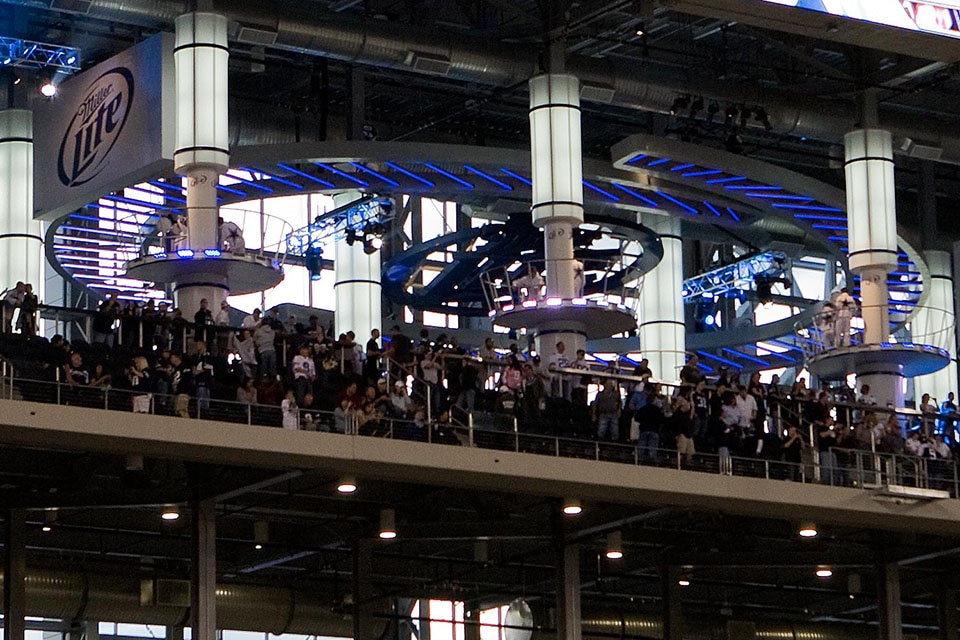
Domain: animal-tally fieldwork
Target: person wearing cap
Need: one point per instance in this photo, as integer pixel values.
(400, 401)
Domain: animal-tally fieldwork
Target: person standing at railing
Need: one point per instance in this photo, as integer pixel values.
(222, 322)
(203, 325)
(683, 424)
(373, 351)
(649, 420)
(606, 411)
(11, 302)
(247, 392)
(559, 383)
(27, 322)
(947, 424)
(846, 308)
(251, 321)
(727, 436)
(103, 319)
(178, 331)
(469, 377)
(264, 339)
(826, 441)
(290, 412)
(690, 372)
(578, 384)
(231, 237)
(304, 372)
(530, 285)
(826, 323)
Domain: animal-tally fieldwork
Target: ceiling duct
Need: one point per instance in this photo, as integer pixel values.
(385, 44)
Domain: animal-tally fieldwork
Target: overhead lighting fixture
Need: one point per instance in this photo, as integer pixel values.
(614, 545)
(572, 507)
(824, 571)
(170, 512)
(684, 581)
(388, 524)
(261, 533)
(347, 486)
(808, 530)
(47, 87)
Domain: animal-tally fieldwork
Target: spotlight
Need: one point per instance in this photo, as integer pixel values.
(261, 533)
(313, 261)
(641, 30)
(572, 507)
(347, 486)
(352, 236)
(823, 571)
(679, 104)
(372, 244)
(388, 524)
(808, 530)
(614, 545)
(47, 88)
(170, 512)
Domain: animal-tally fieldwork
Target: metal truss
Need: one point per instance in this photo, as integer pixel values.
(15, 52)
(339, 223)
(734, 277)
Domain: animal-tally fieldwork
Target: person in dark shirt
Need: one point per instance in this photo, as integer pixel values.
(203, 324)
(371, 366)
(469, 375)
(690, 374)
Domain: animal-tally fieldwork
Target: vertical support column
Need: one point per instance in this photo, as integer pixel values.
(934, 324)
(21, 238)
(872, 223)
(203, 571)
(672, 610)
(663, 335)
(557, 207)
(357, 283)
(14, 575)
(948, 599)
(568, 593)
(202, 143)
(888, 601)
(363, 621)
(173, 633)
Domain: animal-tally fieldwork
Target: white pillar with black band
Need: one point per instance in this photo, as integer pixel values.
(202, 142)
(21, 237)
(357, 283)
(663, 335)
(556, 164)
(873, 252)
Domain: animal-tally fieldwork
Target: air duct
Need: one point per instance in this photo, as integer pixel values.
(648, 87)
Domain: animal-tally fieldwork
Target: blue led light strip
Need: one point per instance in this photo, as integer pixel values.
(777, 196)
(697, 174)
(369, 171)
(811, 216)
(805, 207)
(712, 209)
(683, 167)
(303, 174)
(638, 196)
(747, 187)
(342, 174)
(448, 175)
(733, 214)
(486, 176)
(719, 359)
(410, 174)
(678, 203)
(597, 189)
(252, 183)
(657, 163)
(637, 158)
(517, 176)
(235, 192)
(745, 356)
(726, 180)
(273, 177)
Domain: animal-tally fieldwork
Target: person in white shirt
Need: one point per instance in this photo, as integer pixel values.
(224, 335)
(846, 307)
(746, 410)
(251, 321)
(304, 372)
(290, 411)
(559, 383)
(231, 237)
(529, 285)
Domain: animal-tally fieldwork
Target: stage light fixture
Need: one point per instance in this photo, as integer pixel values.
(47, 86)
(614, 545)
(347, 486)
(808, 530)
(388, 524)
(572, 507)
(170, 512)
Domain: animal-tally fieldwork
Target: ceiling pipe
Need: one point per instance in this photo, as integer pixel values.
(459, 56)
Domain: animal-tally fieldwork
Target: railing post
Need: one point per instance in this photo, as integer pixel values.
(87, 326)
(249, 414)
(429, 412)
(469, 428)
(58, 385)
(106, 399)
(516, 435)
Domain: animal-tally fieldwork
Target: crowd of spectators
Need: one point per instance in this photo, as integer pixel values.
(299, 376)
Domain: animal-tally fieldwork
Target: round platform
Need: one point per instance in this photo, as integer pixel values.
(600, 319)
(246, 273)
(914, 359)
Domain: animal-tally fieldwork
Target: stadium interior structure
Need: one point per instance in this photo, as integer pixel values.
(712, 137)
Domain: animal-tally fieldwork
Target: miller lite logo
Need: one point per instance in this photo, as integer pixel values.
(95, 127)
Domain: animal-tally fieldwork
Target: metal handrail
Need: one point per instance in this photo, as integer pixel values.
(869, 469)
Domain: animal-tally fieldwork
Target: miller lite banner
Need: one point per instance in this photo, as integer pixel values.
(108, 127)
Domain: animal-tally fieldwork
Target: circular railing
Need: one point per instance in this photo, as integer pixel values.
(525, 284)
(243, 233)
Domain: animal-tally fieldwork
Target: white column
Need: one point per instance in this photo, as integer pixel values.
(557, 194)
(21, 237)
(663, 335)
(934, 324)
(202, 142)
(872, 223)
(357, 283)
